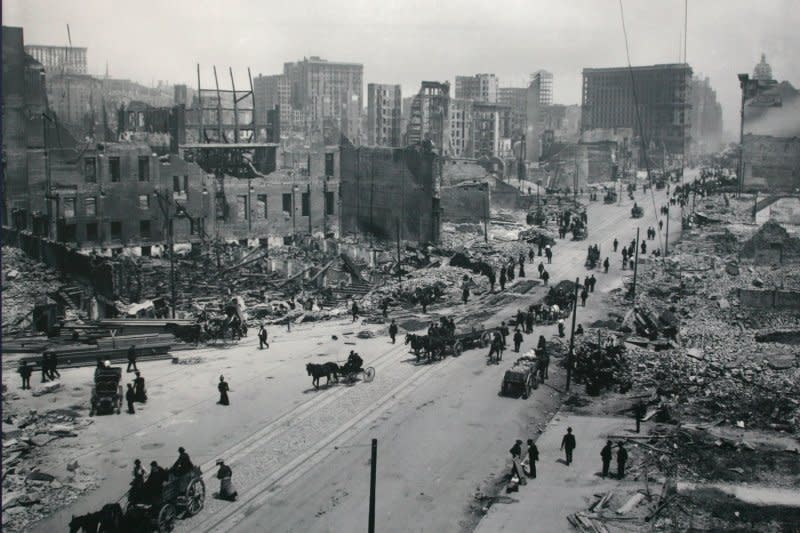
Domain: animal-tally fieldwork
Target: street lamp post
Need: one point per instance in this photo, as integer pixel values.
(164, 204)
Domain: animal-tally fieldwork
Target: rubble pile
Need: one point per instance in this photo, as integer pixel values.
(33, 489)
(26, 282)
(445, 281)
(599, 364)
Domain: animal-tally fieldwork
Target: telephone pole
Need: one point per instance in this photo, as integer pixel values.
(635, 264)
(572, 332)
(373, 471)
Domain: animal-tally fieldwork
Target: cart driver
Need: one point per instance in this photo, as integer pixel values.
(183, 465)
(354, 361)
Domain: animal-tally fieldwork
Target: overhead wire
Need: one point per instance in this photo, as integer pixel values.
(642, 139)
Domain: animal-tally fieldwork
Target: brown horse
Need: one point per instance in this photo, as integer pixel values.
(325, 369)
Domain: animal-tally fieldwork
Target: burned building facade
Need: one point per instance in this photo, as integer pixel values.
(663, 96)
(391, 193)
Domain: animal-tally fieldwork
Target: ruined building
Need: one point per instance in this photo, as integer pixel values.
(391, 193)
(771, 133)
(663, 95)
(429, 116)
(706, 118)
(477, 88)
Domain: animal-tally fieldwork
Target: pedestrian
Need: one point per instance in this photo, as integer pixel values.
(385, 307)
(542, 344)
(605, 456)
(130, 397)
(544, 370)
(661, 224)
(132, 358)
(568, 444)
(622, 458)
(632, 263)
(540, 268)
(549, 254)
(561, 327)
(504, 332)
(52, 366)
(531, 255)
(592, 282)
(137, 483)
(605, 265)
(140, 393)
(25, 373)
(502, 278)
(492, 279)
(517, 340)
(262, 337)
(533, 456)
(584, 295)
(223, 389)
(226, 489)
(516, 455)
(154, 484)
(354, 310)
(545, 276)
(522, 270)
(424, 302)
(510, 273)
(45, 364)
(644, 247)
(521, 259)
(586, 282)
(393, 330)
(579, 330)
(465, 294)
(529, 322)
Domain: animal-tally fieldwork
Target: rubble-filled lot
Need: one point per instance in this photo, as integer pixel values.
(26, 283)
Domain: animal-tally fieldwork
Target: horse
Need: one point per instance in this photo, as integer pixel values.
(110, 519)
(325, 369)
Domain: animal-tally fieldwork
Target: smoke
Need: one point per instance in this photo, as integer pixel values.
(783, 121)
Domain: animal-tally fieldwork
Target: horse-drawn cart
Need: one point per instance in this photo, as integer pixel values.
(520, 378)
(181, 497)
(107, 391)
(637, 211)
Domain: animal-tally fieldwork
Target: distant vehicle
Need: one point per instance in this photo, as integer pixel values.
(107, 391)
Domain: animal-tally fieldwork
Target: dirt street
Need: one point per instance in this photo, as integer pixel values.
(300, 457)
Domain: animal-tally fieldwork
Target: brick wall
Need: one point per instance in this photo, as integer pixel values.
(467, 202)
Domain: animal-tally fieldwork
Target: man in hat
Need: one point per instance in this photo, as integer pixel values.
(223, 389)
(138, 388)
(516, 455)
(25, 373)
(605, 456)
(533, 456)
(183, 465)
(130, 397)
(152, 487)
(226, 489)
(393, 330)
(262, 337)
(132, 358)
(622, 458)
(568, 445)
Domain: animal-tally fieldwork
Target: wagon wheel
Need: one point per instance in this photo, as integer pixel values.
(195, 496)
(166, 518)
(458, 348)
(369, 374)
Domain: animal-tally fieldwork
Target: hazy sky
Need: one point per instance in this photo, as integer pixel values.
(409, 41)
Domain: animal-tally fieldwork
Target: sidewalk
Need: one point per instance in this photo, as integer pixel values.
(559, 490)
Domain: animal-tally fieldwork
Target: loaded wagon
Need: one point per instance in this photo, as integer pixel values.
(106, 391)
(181, 497)
(521, 378)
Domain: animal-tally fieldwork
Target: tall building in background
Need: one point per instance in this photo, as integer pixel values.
(59, 59)
(384, 110)
(534, 122)
(271, 91)
(762, 71)
(429, 118)
(478, 88)
(706, 118)
(544, 81)
(331, 94)
(517, 99)
(490, 125)
(461, 128)
(663, 95)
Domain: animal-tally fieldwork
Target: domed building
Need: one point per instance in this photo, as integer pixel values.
(762, 72)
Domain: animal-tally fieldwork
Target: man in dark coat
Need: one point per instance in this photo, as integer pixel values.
(504, 332)
(130, 397)
(605, 265)
(132, 358)
(510, 272)
(616, 244)
(533, 456)
(545, 276)
(540, 268)
(354, 311)
(622, 458)
(223, 389)
(529, 322)
(549, 254)
(153, 485)
(139, 391)
(584, 295)
(262, 337)
(465, 294)
(592, 283)
(52, 366)
(25, 373)
(605, 456)
(517, 339)
(492, 279)
(393, 330)
(183, 465)
(568, 445)
(516, 455)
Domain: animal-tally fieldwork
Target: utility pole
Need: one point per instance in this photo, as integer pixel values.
(308, 192)
(572, 332)
(666, 238)
(744, 81)
(164, 205)
(635, 264)
(485, 222)
(373, 472)
(399, 270)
